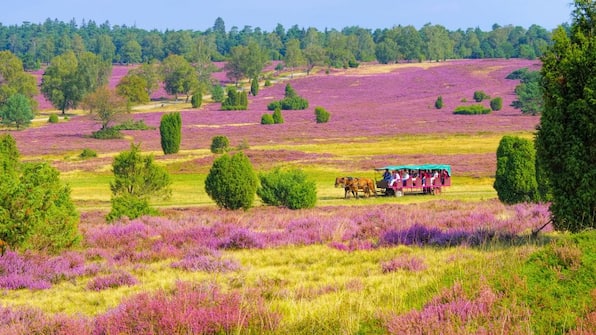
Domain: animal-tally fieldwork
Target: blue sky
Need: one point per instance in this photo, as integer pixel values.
(266, 14)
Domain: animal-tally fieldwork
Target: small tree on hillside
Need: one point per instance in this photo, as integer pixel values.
(496, 104)
(267, 119)
(170, 129)
(277, 116)
(321, 115)
(219, 144)
(106, 105)
(232, 182)
(217, 93)
(515, 179)
(439, 102)
(17, 111)
(480, 95)
(136, 180)
(197, 99)
(254, 87)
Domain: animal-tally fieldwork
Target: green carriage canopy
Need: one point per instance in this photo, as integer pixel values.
(418, 167)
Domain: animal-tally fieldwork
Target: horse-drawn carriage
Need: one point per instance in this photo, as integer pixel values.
(424, 178)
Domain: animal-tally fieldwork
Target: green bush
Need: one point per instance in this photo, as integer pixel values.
(217, 93)
(9, 155)
(290, 189)
(267, 83)
(53, 118)
(131, 207)
(107, 134)
(131, 124)
(136, 180)
(232, 182)
(36, 209)
(471, 110)
(88, 153)
(219, 144)
(496, 104)
(439, 102)
(267, 119)
(170, 130)
(518, 74)
(480, 95)
(254, 87)
(277, 116)
(235, 100)
(196, 100)
(321, 115)
(515, 178)
(291, 101)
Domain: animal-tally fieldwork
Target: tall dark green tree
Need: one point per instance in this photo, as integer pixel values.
(515, 179)
(566, 137)
(170, 130)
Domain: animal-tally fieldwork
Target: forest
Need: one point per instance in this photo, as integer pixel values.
(38, 43)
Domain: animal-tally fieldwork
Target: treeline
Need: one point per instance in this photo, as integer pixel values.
(38, 43)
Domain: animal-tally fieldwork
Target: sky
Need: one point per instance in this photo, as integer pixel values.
(267, 14)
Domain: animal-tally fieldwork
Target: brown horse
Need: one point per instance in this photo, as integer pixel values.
(348, 184)
(352, 184)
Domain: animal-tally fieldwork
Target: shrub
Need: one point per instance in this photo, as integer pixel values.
(254, 87)
(131, 124)
(235, 100)
(217, 93)
(36, 210)
(243, 145)
(267, 119)
(289, 188)
(518, 74)
(480, 95)
(232, 182)
(439, 102)
(515, 178)
(136, 179)
(88, 153)
(53, 118)
(219, 144)
(291, 101)
(170, 130)
(197, 99)
(267, 83)
(107, 134)
(321, 115)
(131, 207)
(277, 117)
(496, 104)
(471, 110)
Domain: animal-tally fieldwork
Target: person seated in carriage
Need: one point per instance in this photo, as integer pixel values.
(387, 176)
(395, 178)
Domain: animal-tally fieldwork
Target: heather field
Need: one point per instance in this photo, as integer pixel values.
(456, 263)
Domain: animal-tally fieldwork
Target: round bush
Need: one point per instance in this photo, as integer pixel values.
(88, 153)
(496, 104)
(219, 144)
(291, 189)
(53, 118)
(267, 119)
(515, 178)
(232, 182)
(321, 115)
